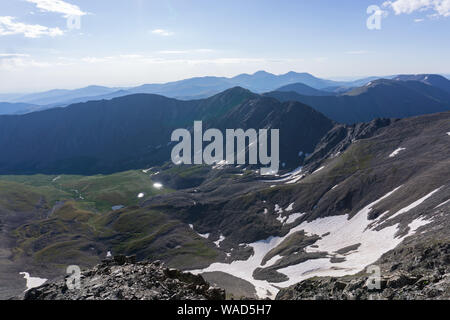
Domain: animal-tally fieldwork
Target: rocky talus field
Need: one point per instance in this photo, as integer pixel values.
(122, 278)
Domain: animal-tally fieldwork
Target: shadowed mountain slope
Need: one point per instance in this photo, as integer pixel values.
(134, 131)
(378, 99)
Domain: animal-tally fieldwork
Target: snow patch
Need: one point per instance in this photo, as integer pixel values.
(203, 235)
(293, 217)
(290, 177)
(272, 261)
(32, 282)
(321, 168)
(290, 207)
(413, 205)
(342, 232)
(157, 185)
(396, 152)
(218, 242)
(442, 204)
(281, 219)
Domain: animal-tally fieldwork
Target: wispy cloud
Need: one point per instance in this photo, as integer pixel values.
(15, 62)
(357, 52)
(58, 6)
(162, 32)
(186, 51)
(8, 26)
(440, 7)
(22, 60)
(419, 20)
(13, 55)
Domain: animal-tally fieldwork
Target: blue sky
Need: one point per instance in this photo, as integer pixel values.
(123, 43)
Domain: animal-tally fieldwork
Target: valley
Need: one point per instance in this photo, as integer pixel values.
(353, 201)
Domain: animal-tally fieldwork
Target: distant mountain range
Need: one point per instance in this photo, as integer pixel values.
(200, 88)
(383, 98)
(17, 108)
(193, 88)
(303, 89)
(430, 79)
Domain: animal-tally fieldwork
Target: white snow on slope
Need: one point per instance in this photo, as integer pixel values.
(32, 282)
(290, 177)
(290, 207)
(396, 152)
(321, 168)
(293, 217)
(413, 205)
(442, 204)
(281, 219)
(203, 235)
(272, 261)
(342, 233)
(278, 209)
(157, 185)
(217, 243)
(296, 179)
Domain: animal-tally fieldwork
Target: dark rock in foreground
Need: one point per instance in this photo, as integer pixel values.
(122, 278)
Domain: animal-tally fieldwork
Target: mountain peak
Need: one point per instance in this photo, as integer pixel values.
(262, 72)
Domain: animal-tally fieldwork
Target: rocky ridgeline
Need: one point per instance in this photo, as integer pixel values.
(410, 275)
(122, 278)
(398, 286)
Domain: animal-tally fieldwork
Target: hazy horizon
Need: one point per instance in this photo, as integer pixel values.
(338, 78)
(49, 44)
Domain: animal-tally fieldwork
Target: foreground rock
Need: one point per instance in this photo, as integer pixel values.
(122, 278)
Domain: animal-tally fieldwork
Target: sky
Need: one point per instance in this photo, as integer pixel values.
(47, 44)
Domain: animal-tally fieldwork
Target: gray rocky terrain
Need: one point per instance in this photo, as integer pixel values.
(122, 278)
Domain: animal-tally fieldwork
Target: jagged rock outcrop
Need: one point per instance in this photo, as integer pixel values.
(122, 278)
(338, 139)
